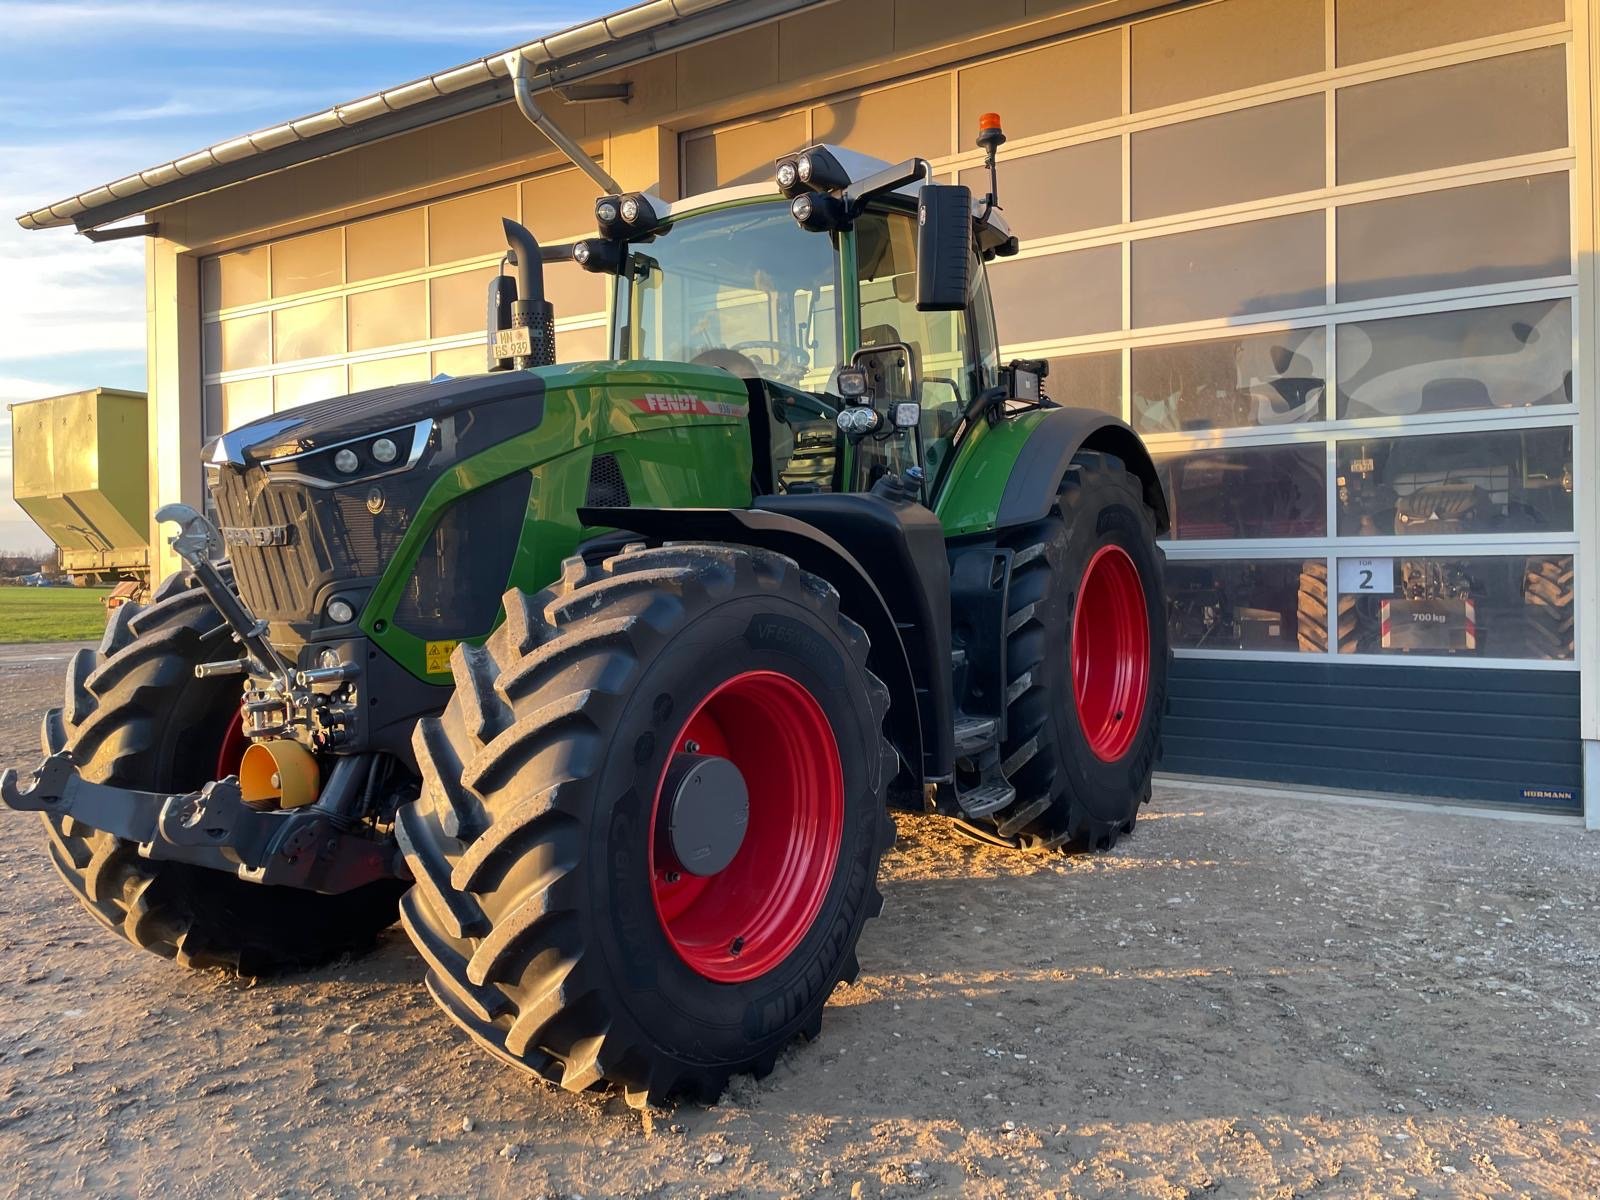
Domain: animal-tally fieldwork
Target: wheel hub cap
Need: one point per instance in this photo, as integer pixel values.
(708, 812)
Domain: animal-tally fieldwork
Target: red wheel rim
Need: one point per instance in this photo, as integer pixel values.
(743, 921)
(231, 753)
(1110, 653)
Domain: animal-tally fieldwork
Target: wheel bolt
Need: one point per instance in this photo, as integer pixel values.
(691, 747)
(738, 945)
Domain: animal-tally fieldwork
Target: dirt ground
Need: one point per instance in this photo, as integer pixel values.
(1252, 997)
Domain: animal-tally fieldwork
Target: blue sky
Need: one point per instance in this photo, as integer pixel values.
(93, 91)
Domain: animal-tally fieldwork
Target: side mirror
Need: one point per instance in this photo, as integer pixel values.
(944, 246)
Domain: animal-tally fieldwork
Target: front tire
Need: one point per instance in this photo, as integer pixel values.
(561, 928)
(135, 716)
(1087, 660)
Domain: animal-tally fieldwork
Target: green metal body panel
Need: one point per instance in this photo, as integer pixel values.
(83, 475)
(969, 497)
(681, 437)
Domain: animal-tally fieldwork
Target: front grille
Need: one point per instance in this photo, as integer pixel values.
(277, 582)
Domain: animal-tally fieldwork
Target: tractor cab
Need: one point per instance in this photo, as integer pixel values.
(823, 297)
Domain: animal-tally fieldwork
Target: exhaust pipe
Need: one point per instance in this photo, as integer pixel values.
(518, 304)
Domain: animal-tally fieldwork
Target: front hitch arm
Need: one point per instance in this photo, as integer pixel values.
(212, 827)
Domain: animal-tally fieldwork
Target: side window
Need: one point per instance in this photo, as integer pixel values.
(941, 342)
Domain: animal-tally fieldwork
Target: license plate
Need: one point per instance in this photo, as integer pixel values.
(513, 343)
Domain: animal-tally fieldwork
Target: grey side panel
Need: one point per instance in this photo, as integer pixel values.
(1509, 737)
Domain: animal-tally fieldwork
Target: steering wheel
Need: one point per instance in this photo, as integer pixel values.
(786, 357)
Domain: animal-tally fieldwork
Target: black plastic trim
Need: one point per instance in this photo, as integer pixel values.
(1031, 488)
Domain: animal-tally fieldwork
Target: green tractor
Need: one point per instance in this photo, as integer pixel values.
(606, 677)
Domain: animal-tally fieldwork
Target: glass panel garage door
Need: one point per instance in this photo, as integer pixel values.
(397, 298)
(1320, 254)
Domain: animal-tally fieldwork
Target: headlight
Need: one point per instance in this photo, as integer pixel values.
(340, 612)
(605, 212)
(630, 210)
(374, 456)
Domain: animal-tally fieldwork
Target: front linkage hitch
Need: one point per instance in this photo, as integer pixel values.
(307, 848)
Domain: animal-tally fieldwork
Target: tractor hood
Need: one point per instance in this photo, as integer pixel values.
(340, 419)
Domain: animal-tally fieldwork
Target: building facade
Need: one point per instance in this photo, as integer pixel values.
(1333, 259)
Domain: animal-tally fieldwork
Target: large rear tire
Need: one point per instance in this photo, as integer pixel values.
(561, 927)
(135, 716)
(1086, 664)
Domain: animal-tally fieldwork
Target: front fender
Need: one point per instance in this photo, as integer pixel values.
(1007, 474)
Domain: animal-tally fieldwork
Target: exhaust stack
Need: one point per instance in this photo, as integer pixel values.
(522, 323)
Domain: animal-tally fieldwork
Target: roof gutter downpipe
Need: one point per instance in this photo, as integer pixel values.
(518, 66)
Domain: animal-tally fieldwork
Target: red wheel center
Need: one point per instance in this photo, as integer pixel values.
(745, 919)
(1110, 653)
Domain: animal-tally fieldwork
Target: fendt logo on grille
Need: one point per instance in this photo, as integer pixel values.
(258, 535)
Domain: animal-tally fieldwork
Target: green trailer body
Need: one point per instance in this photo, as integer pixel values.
(82, 473)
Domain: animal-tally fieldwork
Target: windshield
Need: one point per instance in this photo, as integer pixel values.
(745, 289)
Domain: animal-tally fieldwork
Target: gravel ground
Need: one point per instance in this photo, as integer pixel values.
(1251, 997)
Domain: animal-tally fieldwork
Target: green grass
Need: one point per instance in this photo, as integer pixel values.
(66, 614)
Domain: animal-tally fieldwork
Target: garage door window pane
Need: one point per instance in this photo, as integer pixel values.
(384, 245)
(1057, 295)
(245, 400)
(461, 302)
(1509, 357)
(913, 118)
(1060, 191)
(1085, 86)
(1256, 266)
(1445, 485)
(388, 316)
(238, 343)
(582, 345)
(572, 290)
(1269, 150)
(465, 360)
(1087, 381)
(469, 226)
(304, 387)
(384, 372)
(305, 264)
(1499, 606)
(1233, 604)
(1369, 29)
(308, 330)
(1473, 112)
(1258, 492)
(1217, 48)
(1258, 379)
(233, 279)
(1461, 237)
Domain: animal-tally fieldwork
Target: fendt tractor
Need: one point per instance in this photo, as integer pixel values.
(606, 677)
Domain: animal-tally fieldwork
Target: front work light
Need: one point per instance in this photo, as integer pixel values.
(630, 216)
(820, 212)
(601, 255)
(814, 169)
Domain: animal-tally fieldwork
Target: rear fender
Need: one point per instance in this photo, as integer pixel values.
(1008, 474)
(911, 726)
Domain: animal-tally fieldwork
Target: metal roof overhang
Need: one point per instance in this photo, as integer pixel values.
(593, 48)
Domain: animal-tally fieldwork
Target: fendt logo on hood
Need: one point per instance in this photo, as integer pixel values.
(258, 535)
(687, 402)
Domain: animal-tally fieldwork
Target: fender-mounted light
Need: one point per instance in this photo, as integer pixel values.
(601, 255)
(819, 212)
